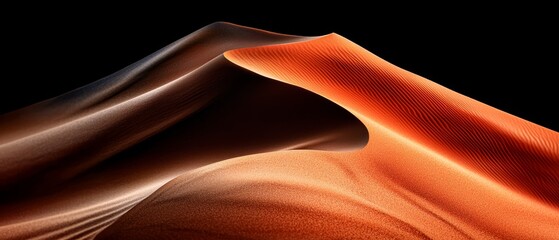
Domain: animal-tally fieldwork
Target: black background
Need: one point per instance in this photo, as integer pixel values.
(503, 56)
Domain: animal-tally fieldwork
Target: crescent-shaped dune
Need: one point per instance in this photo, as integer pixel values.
(235, 132)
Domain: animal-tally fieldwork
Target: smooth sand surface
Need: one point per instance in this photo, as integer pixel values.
(235, 132)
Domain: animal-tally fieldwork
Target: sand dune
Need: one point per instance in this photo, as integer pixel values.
(234, 132)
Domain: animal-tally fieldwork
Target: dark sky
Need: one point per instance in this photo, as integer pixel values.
(503, 58)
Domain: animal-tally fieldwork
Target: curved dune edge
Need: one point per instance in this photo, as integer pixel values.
(437, 164)
(470, 133)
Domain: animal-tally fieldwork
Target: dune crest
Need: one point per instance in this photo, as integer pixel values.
(235, 132)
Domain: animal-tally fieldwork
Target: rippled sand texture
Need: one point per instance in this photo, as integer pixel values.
(234, 132)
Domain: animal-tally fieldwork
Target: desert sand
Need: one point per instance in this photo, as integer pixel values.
(235, 132)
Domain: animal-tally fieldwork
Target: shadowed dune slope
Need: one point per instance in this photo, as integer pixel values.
(83, 169)
(114, 107)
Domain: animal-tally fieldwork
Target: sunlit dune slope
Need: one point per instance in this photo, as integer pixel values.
(234, 132)
(507, 149)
